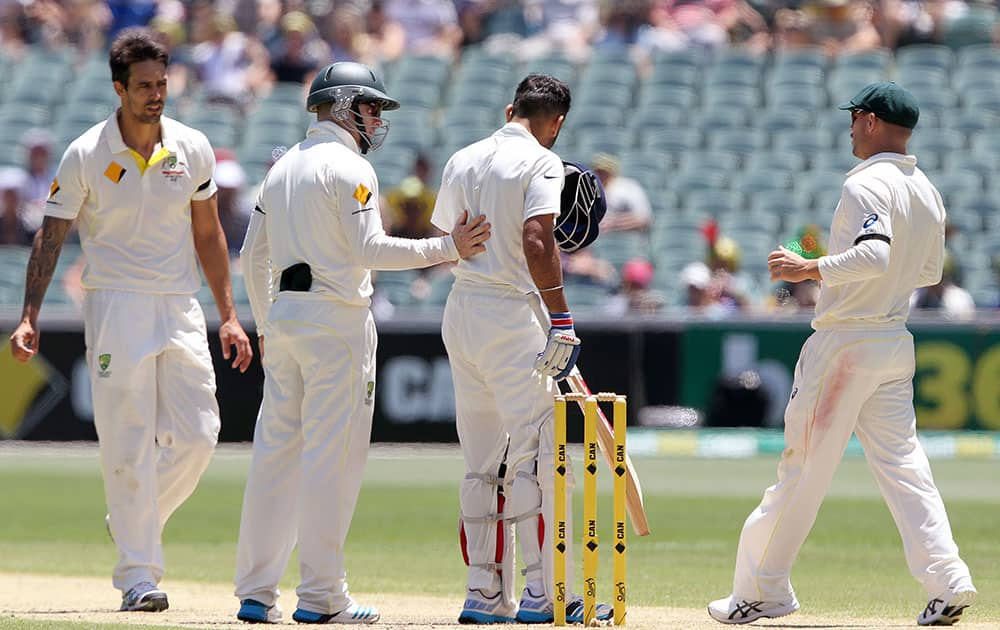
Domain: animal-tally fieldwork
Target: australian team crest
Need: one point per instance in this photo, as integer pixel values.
(104, 365)
(172, 170)
(370, 392)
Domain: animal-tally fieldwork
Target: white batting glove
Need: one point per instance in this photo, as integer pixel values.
(562, 348)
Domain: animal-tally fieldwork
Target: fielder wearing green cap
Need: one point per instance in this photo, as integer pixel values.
(855, 375)
(889, 102)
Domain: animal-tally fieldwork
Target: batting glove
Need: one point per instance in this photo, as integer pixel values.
(562, 348)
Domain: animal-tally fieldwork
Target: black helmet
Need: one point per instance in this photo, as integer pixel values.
(583, 205)
(346, 84)
(351, 81)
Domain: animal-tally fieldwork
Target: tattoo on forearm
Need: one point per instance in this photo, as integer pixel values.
(44, 255)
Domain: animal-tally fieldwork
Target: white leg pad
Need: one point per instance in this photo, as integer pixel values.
(487, 540)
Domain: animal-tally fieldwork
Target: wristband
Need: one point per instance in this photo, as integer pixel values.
(561, 321)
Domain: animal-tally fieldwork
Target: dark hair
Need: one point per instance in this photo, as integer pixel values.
(541, 95)
(132, 46)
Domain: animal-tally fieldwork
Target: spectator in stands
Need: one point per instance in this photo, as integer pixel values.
(621, 22)
(234, 207)
(635, 297)
(945, 297)
(301, 51)
(842, 26)
(172, 35)
(492, 23)
(13, 30)
(585, 267)
(345, 33)
(430, 26)
(730, 287)
(268, 27)
(37, 146)
(700, 295)
(712, 24)
(566, 26)
(13, 230)
(792, 29)
(387, 37)
(128, 13)
(628, 206)
(410, 206)
(231, 65)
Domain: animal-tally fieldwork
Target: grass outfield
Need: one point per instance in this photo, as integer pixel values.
(403, 539)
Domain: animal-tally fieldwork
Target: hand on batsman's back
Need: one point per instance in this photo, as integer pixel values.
(469, 236)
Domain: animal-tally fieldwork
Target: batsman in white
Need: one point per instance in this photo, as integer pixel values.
(140, 186)
(315, 234)
(509, 335)
(855, 375)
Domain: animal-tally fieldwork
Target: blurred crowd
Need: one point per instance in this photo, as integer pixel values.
(236, 51)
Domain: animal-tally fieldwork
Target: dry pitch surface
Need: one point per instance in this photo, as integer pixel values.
(197, 605)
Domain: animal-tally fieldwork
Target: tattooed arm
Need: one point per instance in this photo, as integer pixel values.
(42, 264)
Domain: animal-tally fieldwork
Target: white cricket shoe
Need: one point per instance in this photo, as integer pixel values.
(144, 597)
(947, 609)
(253, 611)
(537, 608)
(352, 614)
(480, 608)
(733, 610)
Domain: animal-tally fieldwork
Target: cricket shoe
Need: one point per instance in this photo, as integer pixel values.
(253, 611)
(539, 609)
(144, 597)
(480, 608)
(351, 614)
(733, 610)
(947, 609)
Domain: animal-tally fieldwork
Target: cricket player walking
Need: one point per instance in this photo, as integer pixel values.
(855, 375)
(140, 185)
(509, 335)
(315, 234)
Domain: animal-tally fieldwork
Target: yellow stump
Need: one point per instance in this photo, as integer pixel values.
(590, 511)
(559, 538)
(619, 508)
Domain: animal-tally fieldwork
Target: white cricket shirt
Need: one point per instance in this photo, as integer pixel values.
(319, 204)
(510, 178)
(135, 216)
(886, 240)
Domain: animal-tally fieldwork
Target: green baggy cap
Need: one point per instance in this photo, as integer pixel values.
(888, 101)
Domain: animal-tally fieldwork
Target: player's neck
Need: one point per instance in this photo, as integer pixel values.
(139, 136)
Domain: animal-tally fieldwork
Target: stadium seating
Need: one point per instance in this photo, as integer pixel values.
(753, 141)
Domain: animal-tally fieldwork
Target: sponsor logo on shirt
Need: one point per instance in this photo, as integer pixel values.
(370, 393)
(52, 192)
(362, 194)
(115, 172)
(870, 220)
(172, 169)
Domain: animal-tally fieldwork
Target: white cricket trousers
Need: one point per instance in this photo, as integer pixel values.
(155, 412)
(849, 382)
(493, 336)
(309, 450)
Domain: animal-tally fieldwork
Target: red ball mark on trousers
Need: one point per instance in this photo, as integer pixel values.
(832, 391)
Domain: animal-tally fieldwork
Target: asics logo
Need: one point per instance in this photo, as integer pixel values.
(744, 608)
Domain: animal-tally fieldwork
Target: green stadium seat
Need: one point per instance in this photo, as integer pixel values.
(717, 116)
(934, 56)
(667, 96)
(876, 60)
(764, 179)
(710, 160)
(673, 140)
(805, 141)
(807, 57)
(780, 159)
(774, 119)
(674, 76)
(740, 141)
(973, 27)
(713, 202)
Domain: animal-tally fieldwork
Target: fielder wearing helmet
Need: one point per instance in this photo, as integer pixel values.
(582, 207)
(344, 87)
